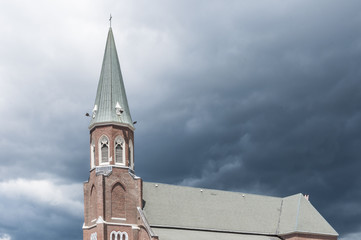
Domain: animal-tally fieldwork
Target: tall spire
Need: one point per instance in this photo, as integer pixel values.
(111, 105)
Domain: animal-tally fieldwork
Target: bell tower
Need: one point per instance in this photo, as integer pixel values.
(113, 193)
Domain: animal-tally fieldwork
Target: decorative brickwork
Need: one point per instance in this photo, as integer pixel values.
(118, 201)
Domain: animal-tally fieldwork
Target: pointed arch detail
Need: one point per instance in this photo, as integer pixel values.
(118, 199)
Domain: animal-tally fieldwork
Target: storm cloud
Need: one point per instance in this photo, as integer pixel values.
(253, 96)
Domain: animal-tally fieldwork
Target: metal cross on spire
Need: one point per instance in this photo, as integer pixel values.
(110, 20)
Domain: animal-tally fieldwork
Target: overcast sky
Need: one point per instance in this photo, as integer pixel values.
(255, 96)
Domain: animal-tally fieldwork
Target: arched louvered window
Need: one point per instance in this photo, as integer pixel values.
(119, 153)
(119, 150)
(104, 149)
(104, 153)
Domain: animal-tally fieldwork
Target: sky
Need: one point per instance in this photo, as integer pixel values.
(259, 97)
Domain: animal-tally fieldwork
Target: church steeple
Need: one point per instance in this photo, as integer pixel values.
(111, 126)
(113, 193)
(111, 105)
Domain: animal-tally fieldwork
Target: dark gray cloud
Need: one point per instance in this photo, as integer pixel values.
(267, 106)
(260, 97)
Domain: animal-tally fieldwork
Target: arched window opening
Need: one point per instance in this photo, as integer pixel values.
(118, 201)
(119, 150)
(124, 236)
(113, 236)
(118, 235)
(119, 154)
(104, 149)
(104, 153)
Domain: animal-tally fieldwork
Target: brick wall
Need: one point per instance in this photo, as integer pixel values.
(304, 236)
(117, 198)
(111, 131)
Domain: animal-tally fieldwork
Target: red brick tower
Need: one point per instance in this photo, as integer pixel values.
(113, 193)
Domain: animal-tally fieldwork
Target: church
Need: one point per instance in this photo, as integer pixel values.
(119, 205)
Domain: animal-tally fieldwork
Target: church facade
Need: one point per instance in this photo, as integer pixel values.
(118, 205)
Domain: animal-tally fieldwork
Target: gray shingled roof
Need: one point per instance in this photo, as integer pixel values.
(179, 207)
(111, 92)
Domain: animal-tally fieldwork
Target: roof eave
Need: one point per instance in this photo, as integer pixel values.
(93, 125)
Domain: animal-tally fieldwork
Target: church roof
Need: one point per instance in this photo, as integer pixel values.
(111, 105)
(172, 208)
(181, 234)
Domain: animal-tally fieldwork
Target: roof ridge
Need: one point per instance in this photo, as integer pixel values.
(212, 189)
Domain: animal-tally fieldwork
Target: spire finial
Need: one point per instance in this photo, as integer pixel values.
(110, 20)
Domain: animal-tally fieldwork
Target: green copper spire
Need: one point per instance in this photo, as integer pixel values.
(111, 105)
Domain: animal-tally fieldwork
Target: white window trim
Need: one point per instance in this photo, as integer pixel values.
(122, 219)
(100, 150)
(92, 155)
(121, 234)
(94, 236)
(131, 157)
(122, 144)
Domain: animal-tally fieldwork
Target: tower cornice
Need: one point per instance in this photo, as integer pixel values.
(102, 124)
